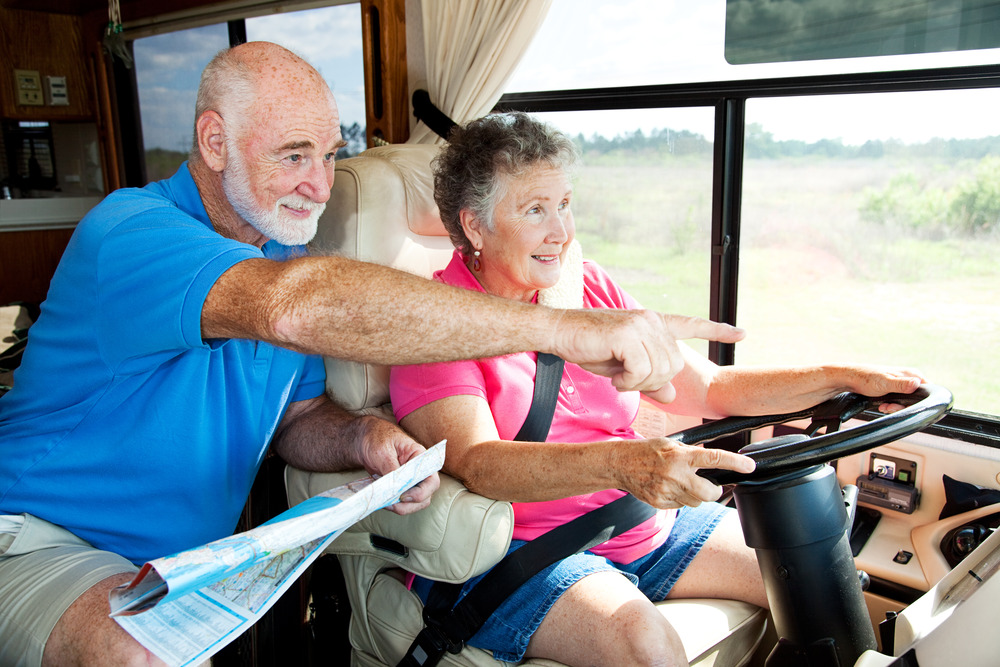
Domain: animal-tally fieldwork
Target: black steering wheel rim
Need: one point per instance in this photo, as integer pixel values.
(922, 408)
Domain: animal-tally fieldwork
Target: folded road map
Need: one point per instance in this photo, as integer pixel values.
(186, 607)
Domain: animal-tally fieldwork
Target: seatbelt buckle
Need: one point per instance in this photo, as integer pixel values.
(438, 623)
(430, 644)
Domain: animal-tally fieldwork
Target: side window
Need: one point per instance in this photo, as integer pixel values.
(868, 222)
(870, 231)
(168, 68)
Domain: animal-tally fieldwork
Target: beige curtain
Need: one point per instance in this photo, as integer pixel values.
(471, 48)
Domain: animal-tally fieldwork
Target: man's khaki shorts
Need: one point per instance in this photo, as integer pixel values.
(43, 570)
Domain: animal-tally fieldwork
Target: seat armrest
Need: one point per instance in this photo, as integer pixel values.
(459, 535)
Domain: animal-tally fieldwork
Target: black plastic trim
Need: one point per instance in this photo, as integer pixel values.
(727, 196)
(971, 427)
(712, 93)
(237, 32)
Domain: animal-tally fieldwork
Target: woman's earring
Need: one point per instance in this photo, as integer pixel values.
(476, 264)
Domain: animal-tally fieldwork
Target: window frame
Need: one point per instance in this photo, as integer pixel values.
(729, 98)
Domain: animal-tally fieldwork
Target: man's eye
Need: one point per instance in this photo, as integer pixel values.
(295, 158)
(329, 156)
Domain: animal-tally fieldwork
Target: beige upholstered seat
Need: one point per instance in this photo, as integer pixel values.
(382, 210)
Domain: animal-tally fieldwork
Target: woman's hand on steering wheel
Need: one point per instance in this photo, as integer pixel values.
(882, 380)
(663, 473)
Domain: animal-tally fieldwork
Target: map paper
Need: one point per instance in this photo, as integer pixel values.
(186, 607)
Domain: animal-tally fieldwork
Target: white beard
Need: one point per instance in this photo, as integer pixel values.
(274, 223)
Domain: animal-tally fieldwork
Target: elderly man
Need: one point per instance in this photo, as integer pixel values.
(178, 344)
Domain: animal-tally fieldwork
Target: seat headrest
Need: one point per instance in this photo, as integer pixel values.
(381, 210)
(387, 189)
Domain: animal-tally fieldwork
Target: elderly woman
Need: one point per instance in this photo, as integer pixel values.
(504, 190)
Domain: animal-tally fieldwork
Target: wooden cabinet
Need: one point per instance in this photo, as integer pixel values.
(27, 262)
(52, 45)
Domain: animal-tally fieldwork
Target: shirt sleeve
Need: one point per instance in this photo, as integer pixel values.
(313, 380)
(601, 291)
(412, 387)
(154, 271)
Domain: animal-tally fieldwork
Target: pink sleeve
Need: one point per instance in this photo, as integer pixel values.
(412, 387)
(600, 291)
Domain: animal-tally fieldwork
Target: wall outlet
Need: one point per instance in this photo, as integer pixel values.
(29, 87)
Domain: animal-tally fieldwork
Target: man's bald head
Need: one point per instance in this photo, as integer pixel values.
(246, 81)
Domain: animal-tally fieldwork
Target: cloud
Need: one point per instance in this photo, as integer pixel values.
(176, 59)
(319, 35)
(167, 117)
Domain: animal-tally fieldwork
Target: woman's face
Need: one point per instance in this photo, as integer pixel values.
(533, 226)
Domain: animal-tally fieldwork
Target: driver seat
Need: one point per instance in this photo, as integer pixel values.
(382, 210)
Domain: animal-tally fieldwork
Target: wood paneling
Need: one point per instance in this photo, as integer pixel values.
(383, 29)
(51, 44)
(27, 262)
(131, 9)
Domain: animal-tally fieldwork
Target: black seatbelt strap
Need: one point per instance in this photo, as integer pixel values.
(548, 375)
(434, 118)
(448, 626)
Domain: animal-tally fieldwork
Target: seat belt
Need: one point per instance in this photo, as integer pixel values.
(448, 626)
(548, 376)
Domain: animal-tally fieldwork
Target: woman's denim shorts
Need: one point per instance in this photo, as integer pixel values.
(507, 631)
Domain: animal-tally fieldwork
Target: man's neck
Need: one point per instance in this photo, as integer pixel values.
(224, 219)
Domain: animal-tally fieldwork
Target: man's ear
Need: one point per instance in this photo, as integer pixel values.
(472, 227)
(211, 132)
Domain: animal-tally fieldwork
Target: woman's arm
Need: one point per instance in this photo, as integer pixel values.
(658, 471)
(759, 391)
(707, 390)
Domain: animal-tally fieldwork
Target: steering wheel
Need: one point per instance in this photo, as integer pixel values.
(784, 454)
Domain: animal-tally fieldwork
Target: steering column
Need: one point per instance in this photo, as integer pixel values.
(795, 516)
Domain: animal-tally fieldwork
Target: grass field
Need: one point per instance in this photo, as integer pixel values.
(817, 283)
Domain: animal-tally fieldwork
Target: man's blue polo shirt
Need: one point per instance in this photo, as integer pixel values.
(124, 426)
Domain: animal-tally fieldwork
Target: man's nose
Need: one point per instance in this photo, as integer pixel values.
(317, 182)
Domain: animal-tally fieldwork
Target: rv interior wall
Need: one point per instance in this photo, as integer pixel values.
(51, 44)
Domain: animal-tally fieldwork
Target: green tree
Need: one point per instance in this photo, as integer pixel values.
(356, 139)
(976, 204)
(908, 203)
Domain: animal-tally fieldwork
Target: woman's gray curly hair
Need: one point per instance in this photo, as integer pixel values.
(482, 156)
